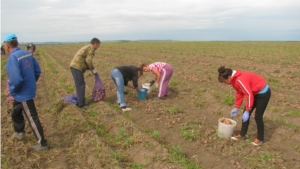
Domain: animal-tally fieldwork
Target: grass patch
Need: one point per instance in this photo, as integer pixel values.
(146, 130)
(62, 80)
(87, 100)
(199, 122)
(297, 148)
(265, 158)
(189, 133)
(281, 121)
(54, 145)
(174, 83)
(202, 105)
(4, 160)
(113, 106)
(136, 166)
(100, 130)
(293, 113)
(198, 94)
(272, 81)
(49, 65)
(175, 156)
(256, 161)
(155, 134)
(92, 113)
(128, 116)
(68, 117)
(174, 110)
(129, 142)
(276, 109)
(148, 145)
(121, 135)
(228, 100)
(217, 95)
(117, 155)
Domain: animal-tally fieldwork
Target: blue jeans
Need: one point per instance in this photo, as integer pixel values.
(118, 79)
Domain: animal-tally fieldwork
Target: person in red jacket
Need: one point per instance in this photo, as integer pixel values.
(257, 93)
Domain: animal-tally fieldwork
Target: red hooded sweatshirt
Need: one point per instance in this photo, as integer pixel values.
(246, 85)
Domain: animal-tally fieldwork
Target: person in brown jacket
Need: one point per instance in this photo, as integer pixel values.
(82, 61)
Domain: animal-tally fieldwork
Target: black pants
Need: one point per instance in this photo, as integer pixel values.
(30, 112)
(80, 86)
(260, 103)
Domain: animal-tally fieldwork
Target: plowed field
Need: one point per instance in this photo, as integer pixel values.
(177, 132)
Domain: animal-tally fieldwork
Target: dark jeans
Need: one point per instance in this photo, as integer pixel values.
(260, 103)
(80, 86)
(32, 117)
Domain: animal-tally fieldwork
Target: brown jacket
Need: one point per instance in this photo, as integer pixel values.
(83, 59)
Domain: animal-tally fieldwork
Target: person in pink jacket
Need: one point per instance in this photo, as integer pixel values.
(257, 93)
(163, 73)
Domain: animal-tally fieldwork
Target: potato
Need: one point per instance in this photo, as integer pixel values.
(225, 121)
(98, 94)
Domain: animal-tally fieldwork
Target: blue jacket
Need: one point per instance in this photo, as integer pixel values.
(23, 72)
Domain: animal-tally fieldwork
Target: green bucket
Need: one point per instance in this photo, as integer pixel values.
(142, 93)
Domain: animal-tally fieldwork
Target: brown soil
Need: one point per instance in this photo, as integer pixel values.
(105, 137)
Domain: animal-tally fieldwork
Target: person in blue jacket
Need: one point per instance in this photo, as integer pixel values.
(23, 72)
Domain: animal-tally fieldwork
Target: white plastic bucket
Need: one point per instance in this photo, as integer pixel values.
(226, 130)
(147, 86)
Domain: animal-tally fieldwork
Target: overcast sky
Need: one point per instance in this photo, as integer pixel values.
(191, 20)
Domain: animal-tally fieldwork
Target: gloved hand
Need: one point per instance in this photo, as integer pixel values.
(234, 112)
(246, 116)
(94, 71)
(152, 82)
(156, 85)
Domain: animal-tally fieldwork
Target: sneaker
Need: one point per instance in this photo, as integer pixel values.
(19, 136)
(238, 137)
(39, 147)
(124, 109)
(256, 142)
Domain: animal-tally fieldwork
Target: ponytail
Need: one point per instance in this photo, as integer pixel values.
(224, 73)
